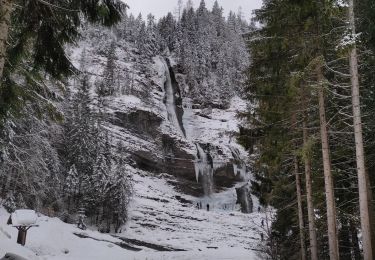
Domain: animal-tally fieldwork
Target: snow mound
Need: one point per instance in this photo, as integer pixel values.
(24, 217)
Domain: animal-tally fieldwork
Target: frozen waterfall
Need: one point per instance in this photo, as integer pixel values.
(174, 113)
(205, 165)
(204, 170)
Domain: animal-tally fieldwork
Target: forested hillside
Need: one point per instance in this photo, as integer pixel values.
(208, 48)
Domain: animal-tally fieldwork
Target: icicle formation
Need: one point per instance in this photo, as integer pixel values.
(238, 168)
(204, 169)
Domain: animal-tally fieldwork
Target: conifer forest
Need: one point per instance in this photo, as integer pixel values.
(203, 133)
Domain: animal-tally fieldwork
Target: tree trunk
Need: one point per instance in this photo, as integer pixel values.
(328, 180)
(5, 14)
(300, 210)
(363, 185)
(21, 238)
(309, 200)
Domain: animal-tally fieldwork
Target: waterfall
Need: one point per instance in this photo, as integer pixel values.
(204, 164)
(204, 170)
(174, 110)
(239, 167)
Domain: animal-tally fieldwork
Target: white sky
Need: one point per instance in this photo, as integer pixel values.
(160, 8)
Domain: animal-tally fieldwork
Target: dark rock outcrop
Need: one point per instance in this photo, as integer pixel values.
(140, 121)
(147, 161)
(244, 199)
(225, 177)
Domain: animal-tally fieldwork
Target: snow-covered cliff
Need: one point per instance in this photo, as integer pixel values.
(163, 130)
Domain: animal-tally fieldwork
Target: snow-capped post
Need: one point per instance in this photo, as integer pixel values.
(23, 220)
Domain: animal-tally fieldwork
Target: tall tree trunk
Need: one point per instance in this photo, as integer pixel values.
(5, 13)
(300, 210)
(363, 185)
(328, 179)
(309, 199)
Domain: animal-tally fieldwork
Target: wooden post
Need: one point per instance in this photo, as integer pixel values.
(23, 220)
(22, 232)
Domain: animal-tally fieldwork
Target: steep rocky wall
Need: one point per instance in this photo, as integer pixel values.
(138, 115)
(244, 199)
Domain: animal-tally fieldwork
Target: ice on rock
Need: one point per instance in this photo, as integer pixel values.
(235, 168)
(197, 169)
(204, 168)
(239, 169)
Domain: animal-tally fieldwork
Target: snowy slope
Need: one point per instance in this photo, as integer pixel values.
(177, 222)
(54, 239)
(161, 219)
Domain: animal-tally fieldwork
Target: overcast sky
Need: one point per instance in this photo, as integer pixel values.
(161, 7)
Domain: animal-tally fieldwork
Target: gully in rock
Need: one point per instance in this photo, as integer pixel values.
(172, 99)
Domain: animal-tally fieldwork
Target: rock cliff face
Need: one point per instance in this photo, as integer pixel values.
(152, 112)
(244, 199)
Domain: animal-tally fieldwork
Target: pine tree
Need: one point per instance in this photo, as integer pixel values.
(36, 35)
(31, 173)
(365, 23)
(80, 138)
(121, 189)
(71, 185)
(107, 86)
(179, 9)
(189, 4)
(363, 185)
(167, 29)
(20, 202)
(10, 202)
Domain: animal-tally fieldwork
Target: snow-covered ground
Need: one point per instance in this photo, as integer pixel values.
(182, 225)
(160, 219)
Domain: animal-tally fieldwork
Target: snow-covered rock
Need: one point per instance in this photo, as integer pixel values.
(158, 123)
